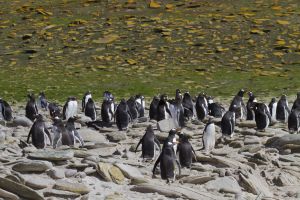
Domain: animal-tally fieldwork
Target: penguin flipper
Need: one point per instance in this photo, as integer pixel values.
(157, 142)
(29, 134)
(64, 110)
(156, 163)
(179, 167)
(48, 134)
(138, 145)
(194, 153)
(56, 138)
(78, 138)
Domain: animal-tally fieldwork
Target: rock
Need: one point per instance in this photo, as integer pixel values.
(56, 173)
(226, 184)
(7, 195)
(285, 179)
(2, 137)
(103, 171)
(255, 184)
(262, 134)
(166, 125)
(129, 171)
(22, 121)
(70, 172)
(90, 135)
(290, 141)
(247, 131)
(32, 166)
(250, 148)
(197, 179)
(236, 144)
(247, 124)
(116, 175)
(251, 140)
(37, 182)
(52, 155)
(71, 187)
(60, 194)
(82, 119)
(19, 189)
(116, 136)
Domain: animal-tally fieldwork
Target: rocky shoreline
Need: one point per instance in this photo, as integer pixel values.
(251, 165)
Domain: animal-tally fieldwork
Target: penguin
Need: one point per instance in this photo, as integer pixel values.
(70, 127)
(122, 115)
(177, 110)
(43, 101)
(108, 96)
(296, 104)
(167, 160)
(5, 110)
(214, 108)
(201, 107)
(251, 101)
(172, 138)
(228, 122)
(90, 109)
(153, 111)
(39, 133)
(282, 111)
(133, 108)
(31, 109)
(209, 136)
(238, 103)
(85, 98)
(188, 106)
(140, 104)
(273, 108)
(149, 144)
(294, 121)
(163, 109)
(186, 151)
(107, 112)
(54, 110)
(70, 108)
(262, 116)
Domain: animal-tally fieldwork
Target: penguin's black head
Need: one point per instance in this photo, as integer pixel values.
(72, 98)
(298, 95)
(72, 119)
(90, 100)
(273, 100)
(31, 96)
(210, 99)
(87, 93)
(42, 94)
(149, 129)
(283, 97)
(164, 97)
(202, 94)
(233, 108)
(183, 138)
(123, 101)
(155, 99)
(241, 93)
(39, 117)
(187, 95)
(139, 96)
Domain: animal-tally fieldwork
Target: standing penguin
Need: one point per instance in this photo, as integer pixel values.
(209, 136)
(240, 108)
(296, 104)
(163, 108)
(5, 110)
(251, 102)
(31, 110)
(214, 108)
(90, 109)
(132, 108)
(140, 104)
(107, 112)
(39, 133)
(177, 110)
(70, 108)
(149, 144)
(122, 115)
(85, 99)
(54, 110)
(188, 105)
(43, 101)
(153, 111)
(282, 111)
(228, 122)
(167, 160)
(70, 127)
(201, 107)
(273, 108)
(186, 151)
(262, 116)
(294, 121)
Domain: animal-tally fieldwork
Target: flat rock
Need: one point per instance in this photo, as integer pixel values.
(129, 171)
(90, 135)
(116, 175)
(284, 142)
(197, 179)
(52, 155)
(251, 140)
(286, 179)
(60, 194)
(32, 166)
(103, 171)
(266, 133)
(7, 195)
(246, 123)
(166, 125)
(71, 187)
(37, 182)
(19, 189)
(226, 184)
(56, 173)
(116, 136)
(22, 121)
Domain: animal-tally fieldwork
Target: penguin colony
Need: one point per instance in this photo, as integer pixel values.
(180, 110)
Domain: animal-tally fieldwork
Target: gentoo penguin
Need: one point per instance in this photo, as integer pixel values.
(172, 138)
(70, 126)
(163, 108)
(153, 111)
(186, 151)
(54, 110)
(70, 108)
(85, 98)
(273, 108)
(167, 160)
(43, 101)
(294, 121)
(262, 116)
(90, 109)
(201, 106)
(149, 144)
(240, 108)
(122, 115)
(5, 110)
(282, 111)
(177, 110)
(214, 108)
(31, 108)
(251, 101)
(132, 108)
(209, 136)
(39, 133)
(296, 104)
(188, 105)
(107, 112)
(140, 104)
(228, 122)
